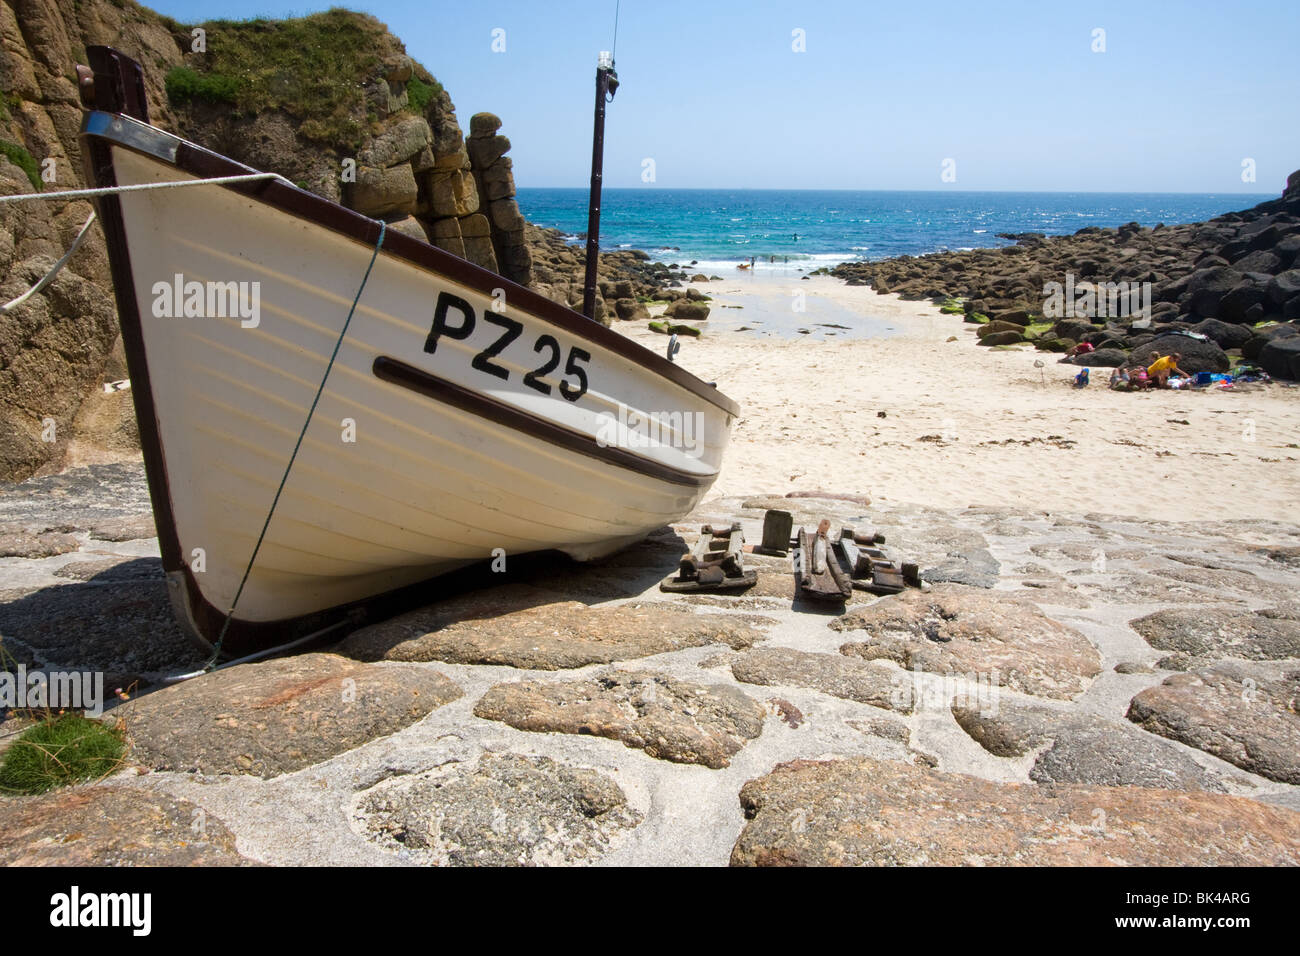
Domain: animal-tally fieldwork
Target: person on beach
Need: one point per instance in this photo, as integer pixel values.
(1083, 348)
(1163, 367)
(1119, 379)
(1138, 378)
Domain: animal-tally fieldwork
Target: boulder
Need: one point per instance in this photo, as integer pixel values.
(1226, 335)
(278, 716)
(1241, 711)
(669, 719)
(529, 628)
(380, 191)
(1207, 286)
(1099, 358)
(954, 629)
(1236, 304)
(627, 309)
(399, 143)
(996, 326)
(865, 812)
(1280, 357)
(684, 310)
(1003, 338)
(112, 826)
(868, 682)
(503, 810)
(1197, 356)
(1076, 329)
(1283, 287)
(1071, 747)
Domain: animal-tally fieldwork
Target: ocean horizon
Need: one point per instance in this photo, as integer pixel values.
(810, 228)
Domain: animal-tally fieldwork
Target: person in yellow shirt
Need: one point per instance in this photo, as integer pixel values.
(1163, 367)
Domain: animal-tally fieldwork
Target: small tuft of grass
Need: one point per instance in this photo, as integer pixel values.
(65, 749)
(185, 86)
(23, 160)
(420, 94)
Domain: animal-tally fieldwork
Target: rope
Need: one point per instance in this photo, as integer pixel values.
(108, 191)
(49, 276)
(216, 652)
(141, 187)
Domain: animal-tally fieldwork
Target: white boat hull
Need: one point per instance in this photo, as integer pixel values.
(416, 461)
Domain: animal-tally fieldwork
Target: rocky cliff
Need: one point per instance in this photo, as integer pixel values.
(331, 102)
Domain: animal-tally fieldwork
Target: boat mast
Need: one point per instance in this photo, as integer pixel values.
(606, 85)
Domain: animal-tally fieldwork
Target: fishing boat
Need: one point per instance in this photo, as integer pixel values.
(330, 410)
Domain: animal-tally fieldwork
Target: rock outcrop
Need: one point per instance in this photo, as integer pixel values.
(1234, 279)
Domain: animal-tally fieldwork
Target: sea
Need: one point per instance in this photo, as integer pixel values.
(807, 229)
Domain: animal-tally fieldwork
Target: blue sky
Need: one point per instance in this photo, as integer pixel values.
(1012, 92)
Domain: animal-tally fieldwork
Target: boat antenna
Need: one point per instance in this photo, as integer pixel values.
(606, 86)
(613, 50)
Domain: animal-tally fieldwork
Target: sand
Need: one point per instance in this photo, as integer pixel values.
(964, 425)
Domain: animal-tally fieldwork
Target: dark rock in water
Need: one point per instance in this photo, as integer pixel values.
(1099, 358)
(863, 812)
(951, 629)
(976, 568)
(1217, 633)
(278, 716)
(1226, 335)
(1083, 748)
(667, 718)
(506, 810)
(111, 825)
(1242, 712)
(1197, 355)
(867, 682)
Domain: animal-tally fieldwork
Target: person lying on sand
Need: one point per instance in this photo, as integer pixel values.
(1119, 379)
(1139, 379)
(1083, 348)
(1163, 367)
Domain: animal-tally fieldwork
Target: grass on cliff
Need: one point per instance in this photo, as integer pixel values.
(314, 68)
(23, 160)
(65, 749)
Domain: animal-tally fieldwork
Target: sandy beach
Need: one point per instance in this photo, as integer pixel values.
(964, 425)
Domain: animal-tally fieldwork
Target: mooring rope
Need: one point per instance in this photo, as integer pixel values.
(216, 652)
(108, 191)
(141, 187)
(49, 276)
